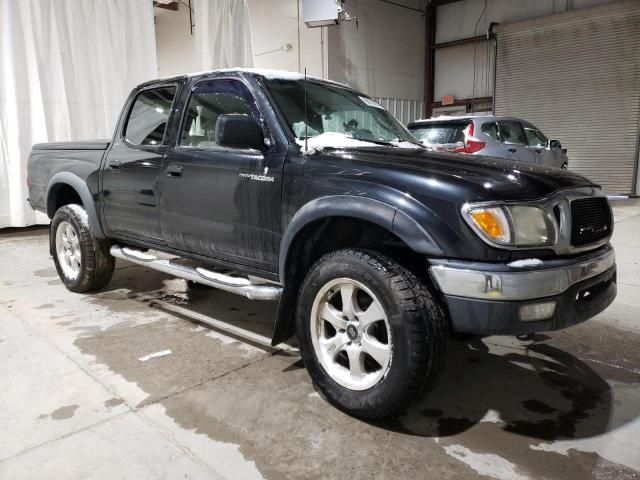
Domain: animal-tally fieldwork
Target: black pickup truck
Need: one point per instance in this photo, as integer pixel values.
(280, 187)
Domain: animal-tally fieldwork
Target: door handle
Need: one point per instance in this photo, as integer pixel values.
(174, 171)
(513, 150)
(114, 164)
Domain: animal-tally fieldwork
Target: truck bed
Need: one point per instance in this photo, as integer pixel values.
(81, 159)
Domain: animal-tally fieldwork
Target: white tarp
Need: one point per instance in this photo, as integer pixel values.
(222, 33)
(66, 67)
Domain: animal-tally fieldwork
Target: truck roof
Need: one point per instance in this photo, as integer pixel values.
(264, 72)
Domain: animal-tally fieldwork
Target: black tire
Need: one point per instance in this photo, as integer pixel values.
(419, 329)
(96, 263)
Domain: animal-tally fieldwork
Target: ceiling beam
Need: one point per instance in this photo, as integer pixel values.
(173, 6)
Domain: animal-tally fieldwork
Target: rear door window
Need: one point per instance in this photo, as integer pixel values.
(512, 132)
(149, 115)
(491, 130)
(441, 133)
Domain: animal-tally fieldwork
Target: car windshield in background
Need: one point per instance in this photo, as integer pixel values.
(440, 133)
(335, 112)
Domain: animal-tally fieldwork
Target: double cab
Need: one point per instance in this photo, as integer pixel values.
(287, 188)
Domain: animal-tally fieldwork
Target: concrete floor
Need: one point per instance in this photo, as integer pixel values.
(77, 401)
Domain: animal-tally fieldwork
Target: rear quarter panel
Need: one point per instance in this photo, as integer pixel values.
(44, 163)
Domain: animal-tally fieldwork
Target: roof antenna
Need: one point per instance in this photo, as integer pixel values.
(306, 122)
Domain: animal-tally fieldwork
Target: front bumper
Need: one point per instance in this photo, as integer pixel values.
(488, 299)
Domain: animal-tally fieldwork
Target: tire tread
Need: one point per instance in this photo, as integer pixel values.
(428, 325)
(98, 264)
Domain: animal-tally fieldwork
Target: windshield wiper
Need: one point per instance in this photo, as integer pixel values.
(409, 141)
(377, 142)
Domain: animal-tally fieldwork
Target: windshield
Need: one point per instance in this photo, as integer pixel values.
(334, 113)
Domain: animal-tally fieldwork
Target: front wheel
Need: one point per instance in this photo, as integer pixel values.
(371, 335)
(83, 261)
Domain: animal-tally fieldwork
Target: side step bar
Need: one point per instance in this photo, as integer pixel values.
(228, 283)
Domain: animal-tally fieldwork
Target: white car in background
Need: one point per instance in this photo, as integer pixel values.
(502, 137)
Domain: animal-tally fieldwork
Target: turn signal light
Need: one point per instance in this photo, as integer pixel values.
(489, 222)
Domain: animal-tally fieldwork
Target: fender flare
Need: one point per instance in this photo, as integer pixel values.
(81, 188)
(362, 208)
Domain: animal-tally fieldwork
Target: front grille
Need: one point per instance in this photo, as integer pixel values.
(590, 220)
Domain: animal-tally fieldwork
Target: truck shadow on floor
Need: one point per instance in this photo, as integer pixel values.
(538, 391)
(531, 389)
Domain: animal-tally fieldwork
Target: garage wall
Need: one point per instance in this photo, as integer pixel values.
(454, 70)
(384, 56)
(577, 76)
(282, 41)
(455, 65)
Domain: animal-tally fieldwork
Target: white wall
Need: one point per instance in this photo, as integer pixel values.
(274, 24)
(174, 43)
(277, 23)
(455, 65)
(384, 57)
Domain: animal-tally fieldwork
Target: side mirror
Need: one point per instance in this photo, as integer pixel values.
(238, 131)
(553, 144)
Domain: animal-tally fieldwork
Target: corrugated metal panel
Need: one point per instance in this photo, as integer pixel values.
(578, 79)
(405, 110)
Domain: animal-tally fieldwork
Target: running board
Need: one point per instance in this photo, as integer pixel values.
(228, 283)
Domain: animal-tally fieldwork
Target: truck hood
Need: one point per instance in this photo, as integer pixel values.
(456, 176)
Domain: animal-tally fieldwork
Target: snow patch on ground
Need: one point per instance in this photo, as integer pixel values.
(249, 350)
(162, 353)
(485, 463)
(219, 336)
(491, 417)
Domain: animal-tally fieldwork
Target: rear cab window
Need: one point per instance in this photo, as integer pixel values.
(441, 133)
(149, 115)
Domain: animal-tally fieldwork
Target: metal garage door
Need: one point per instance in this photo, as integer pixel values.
(576, 76)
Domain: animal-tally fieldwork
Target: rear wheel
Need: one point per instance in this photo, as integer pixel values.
(371, 335)
(83, 261)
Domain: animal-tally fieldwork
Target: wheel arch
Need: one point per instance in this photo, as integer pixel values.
(365, 209)
(319, 222)
(58, 194)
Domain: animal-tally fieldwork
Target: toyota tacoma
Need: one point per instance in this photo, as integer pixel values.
(276, 186)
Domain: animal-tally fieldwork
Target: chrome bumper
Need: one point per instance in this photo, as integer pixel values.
(540, 282)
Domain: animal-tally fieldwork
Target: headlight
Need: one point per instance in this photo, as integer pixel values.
(511, 225)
